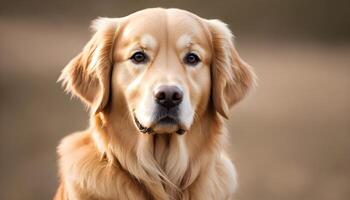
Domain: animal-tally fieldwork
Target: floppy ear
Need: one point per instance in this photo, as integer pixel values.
(231, 76)
(88, 74)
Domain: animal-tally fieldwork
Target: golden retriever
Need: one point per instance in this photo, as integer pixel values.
(158, 84)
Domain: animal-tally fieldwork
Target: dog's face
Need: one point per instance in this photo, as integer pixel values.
(162, 67)
(166, 65)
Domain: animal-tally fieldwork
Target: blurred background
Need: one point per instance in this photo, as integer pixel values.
(290, 138)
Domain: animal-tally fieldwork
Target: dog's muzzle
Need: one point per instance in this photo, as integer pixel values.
(165, 117)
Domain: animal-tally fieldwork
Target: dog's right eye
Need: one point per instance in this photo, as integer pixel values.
(139, 57)
(191, 59)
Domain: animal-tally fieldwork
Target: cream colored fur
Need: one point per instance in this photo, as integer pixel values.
(112, 159)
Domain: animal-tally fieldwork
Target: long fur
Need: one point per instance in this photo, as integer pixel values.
(111, 160)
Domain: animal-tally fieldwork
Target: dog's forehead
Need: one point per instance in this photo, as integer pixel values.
(153, 26)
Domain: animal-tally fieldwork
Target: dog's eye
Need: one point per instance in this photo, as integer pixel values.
(139, 57)
(191, 59)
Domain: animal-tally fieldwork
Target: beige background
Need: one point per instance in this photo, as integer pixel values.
(290, 138)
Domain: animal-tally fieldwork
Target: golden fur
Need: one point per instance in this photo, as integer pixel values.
(112, 159)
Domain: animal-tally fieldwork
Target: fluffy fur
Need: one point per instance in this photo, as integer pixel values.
(112, 159)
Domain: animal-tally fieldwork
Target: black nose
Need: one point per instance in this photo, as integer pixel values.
(168, 96)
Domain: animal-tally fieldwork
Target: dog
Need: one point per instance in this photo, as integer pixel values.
(159, 84)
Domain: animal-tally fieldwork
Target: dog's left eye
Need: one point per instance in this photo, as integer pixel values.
(191, 59)
(139, 57)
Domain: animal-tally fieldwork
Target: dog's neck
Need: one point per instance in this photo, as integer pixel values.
(166, 163)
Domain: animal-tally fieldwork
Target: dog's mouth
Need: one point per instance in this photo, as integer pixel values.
(142, 128)
(160, 126)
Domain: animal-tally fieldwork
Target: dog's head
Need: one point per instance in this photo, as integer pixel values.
(162, 67)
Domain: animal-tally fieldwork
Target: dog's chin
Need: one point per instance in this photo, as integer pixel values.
(163, 126)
